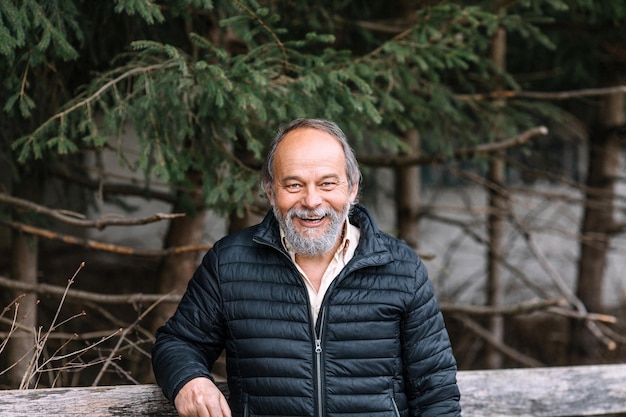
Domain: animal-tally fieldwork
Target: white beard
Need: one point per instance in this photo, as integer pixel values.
(313, 246)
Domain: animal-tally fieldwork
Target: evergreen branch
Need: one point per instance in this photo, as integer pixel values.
(87, 101)
(268, 30)
(242, 165)
(376, 51)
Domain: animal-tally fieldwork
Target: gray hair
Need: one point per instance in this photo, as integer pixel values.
(352, 166)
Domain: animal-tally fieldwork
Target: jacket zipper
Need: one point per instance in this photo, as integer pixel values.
(395, 407)
(318, 363)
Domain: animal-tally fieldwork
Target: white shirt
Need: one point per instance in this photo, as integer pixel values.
(342, 256)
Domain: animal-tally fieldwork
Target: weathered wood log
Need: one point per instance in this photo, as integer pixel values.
(544, 392)
(538, 392)
(119, 400)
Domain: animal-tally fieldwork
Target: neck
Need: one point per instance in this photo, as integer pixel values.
(314, 267)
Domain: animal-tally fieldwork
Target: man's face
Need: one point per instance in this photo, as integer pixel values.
(311, 197)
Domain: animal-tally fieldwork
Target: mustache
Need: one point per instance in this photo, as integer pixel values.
(310, 214)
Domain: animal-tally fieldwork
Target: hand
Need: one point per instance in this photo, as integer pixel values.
(200, 397)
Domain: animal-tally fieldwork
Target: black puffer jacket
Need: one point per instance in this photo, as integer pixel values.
(379, 348)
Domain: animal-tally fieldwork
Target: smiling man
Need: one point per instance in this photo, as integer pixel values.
(319, 312)
(311, 193)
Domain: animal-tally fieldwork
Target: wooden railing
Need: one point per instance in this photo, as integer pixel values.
(536, 392)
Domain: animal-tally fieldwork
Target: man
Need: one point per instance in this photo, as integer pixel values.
(319, 312)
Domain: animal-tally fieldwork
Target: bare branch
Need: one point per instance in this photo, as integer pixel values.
(504, 349)
(522, 308)
(391, 28)
(405, 160)
(71, 218)
(560, 284)
(612, 334)
(542, 95)
(57, 334)
(604, 318)
(88, 296)
(121, 339)
(105, 247)
(554, 306)
(617, 228)
(14, 324)
(114, 188)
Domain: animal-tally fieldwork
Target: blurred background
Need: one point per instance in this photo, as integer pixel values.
(490, 134)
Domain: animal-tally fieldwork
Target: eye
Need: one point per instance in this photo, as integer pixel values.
(293, 187)
(328, 185)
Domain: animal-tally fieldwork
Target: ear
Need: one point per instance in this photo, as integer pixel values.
(270, 195)
(353, 194)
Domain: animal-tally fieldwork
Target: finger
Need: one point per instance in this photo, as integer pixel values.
(215, 405)
(225, 408)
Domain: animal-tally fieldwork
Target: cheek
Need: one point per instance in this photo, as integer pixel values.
(284, 201)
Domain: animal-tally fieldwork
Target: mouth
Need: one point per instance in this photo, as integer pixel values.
(311, 221)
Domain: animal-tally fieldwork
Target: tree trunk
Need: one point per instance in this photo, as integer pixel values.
(603, 170)
(495, 226)
(24, 268)
(495, 290)
(408, 186)
(176, 270)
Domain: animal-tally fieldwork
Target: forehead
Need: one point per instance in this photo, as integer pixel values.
(306, 150)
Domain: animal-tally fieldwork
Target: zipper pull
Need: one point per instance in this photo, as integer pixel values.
(318, 346)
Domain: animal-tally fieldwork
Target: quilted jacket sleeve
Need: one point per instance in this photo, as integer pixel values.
(431, 372)
(192, 339)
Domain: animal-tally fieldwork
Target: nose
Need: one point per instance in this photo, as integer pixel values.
(312, 197)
